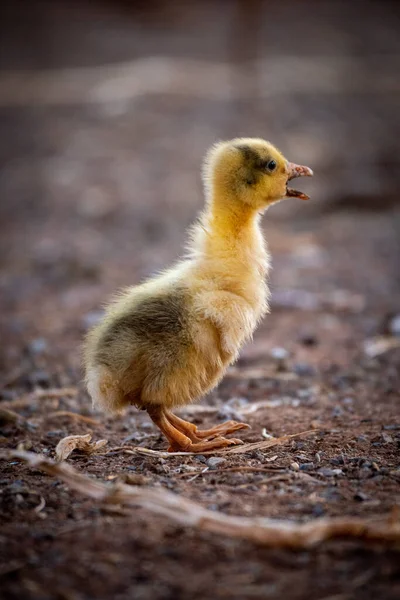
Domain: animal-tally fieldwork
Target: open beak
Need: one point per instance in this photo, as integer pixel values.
(297, 171)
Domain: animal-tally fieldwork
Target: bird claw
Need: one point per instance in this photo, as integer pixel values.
(235, 441)
(221, 430)
(206, 445)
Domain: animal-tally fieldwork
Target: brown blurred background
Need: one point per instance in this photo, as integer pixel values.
(107, 108)
(106, 111)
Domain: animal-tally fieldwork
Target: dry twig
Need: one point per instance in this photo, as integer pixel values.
(71, 392)
(263, 445)
(270, 532)
(238, 469)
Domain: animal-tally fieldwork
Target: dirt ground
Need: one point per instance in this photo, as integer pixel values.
(96, 194)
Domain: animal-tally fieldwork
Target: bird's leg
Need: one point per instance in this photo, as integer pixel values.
(179, 442)
(196, 434)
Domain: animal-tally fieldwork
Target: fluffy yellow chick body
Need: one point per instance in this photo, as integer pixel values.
(168, 341)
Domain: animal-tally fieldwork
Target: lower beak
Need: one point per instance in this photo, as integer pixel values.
(297, 171)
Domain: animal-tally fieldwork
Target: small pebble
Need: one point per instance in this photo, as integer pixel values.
(201, 458)
(215, 461)
(39, 377)
(135, 437)
(307, 466)
(329, 472)
(227, 413)
(134, 479)
(318, 457)
(55, 433)
(348, 401)
(318, 510)
(237, 402)
(294, 466)
(394, 325)
(305, 393)
(279, 354)
(338, 460)
(337, 412)
(37, 346)
(299, 445)
(360, 496)
(304, 370)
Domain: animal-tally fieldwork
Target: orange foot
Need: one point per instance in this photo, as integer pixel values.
(195, 434)
(206, 446)
(189, 440)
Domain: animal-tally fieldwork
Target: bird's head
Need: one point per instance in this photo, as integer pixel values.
(252, 171)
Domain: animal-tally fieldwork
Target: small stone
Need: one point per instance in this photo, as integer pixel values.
(318, 510)
(360, 496)
(318, 457)
(55, 433)
(387, 438)
(377, 346)
(307, 466)
(375, 467)
(201, 458)
(305, 393)
(304, 370)
(133, 437)
(348, 401)
(338, 460)
(37, 346)
(295, 466)
(215, 461)
(337, 412)
(329, 472)
(39, 377)
(237, 402)
(299, 445)
(394, 325)
(279, 354)
(134, 479)
(227, 413)
(391, 427)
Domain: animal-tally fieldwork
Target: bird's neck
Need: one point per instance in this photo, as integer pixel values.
(229, 236)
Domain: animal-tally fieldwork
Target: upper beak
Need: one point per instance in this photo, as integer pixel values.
(297, 171)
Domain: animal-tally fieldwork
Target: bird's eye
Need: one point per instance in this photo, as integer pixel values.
(271, 165)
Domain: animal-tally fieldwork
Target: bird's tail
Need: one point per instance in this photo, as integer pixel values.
(105, 391)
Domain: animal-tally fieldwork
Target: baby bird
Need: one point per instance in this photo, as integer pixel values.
(164, 343)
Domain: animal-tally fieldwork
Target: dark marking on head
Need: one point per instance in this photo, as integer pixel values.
(254, 163)
(250, 155)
